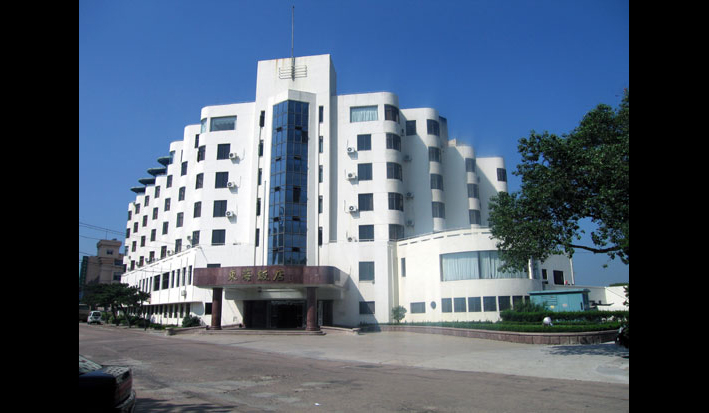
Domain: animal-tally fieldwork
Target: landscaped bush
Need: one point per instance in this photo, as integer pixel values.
(191, 321)
(571, 317)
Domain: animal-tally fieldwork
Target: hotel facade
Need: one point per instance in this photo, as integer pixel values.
(308, 208)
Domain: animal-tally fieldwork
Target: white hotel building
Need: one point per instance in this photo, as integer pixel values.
(307, 208)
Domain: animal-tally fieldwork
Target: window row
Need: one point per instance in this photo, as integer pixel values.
(366, 232)
(366, 201)
(364, 142)
(470, 304)
(394, 171)
(166, 280)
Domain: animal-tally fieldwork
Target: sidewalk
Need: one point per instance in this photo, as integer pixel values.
(596, 362)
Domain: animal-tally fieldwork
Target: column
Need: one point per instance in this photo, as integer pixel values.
(312, 306)
(216, 309)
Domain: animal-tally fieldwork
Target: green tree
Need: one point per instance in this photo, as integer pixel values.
(116, 297)
(567, 180)
(398, 313)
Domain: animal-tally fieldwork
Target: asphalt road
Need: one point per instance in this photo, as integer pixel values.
(183, 374)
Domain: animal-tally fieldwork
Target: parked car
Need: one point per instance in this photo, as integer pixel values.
(105, 388)
(94, 317)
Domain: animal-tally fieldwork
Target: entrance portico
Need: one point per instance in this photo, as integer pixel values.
(272, 296)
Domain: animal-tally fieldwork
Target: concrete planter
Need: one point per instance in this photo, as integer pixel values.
(588, 337)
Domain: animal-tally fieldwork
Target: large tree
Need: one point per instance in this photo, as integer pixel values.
(566, 181)
(117, 297)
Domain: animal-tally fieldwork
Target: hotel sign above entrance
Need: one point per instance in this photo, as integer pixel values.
(272, 274)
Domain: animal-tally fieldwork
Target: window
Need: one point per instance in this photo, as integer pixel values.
(410, 127)
(199, 181)
(402, 269)
(474, 305)
(200, 153)
(396, 201)
(320, 114)
(181, 194)
(203, 125)
(221, 179)
(218, 237)
(195, 241)
(391, 113)
(164, 227)
(166, 281)
(223, 150)
(558, 277)
(473, 191)
(364, 142)
(393, 141)
(183, 170)
(363, 114)
(180, 219)
(432, 127)
(489, 304)
(502, 174)
(167, 204)
(418, 308)
(437, 181)
(469, 165)
(197, 211)
(439, 209)
(320, 144)
(459, 305)
(446, 305)
(434, 154)
(364, 171)
(474, 216)
(366, 202)
(222, 123)
(394, 171)
(287, 213)
(366, 271)
(396, 232)
(219, 209)
(473, 265)
(366, 307)
(504, 302)
(157, 192)
(168, 182)
(366, 232)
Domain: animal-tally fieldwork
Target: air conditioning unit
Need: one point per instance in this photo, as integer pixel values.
(231, 185)
(410, 223)
(351, 239)
(351, 175)
(183, 293)
(230, 214)
(352, 208)
(407, 158)
(410, 195)
(233, 155)
(351, 149)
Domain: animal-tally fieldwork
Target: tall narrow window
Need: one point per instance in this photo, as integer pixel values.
(287, 201)
(391, 113)
(432, 127)
(223, 150)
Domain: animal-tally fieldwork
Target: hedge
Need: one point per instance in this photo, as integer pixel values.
(576, 317)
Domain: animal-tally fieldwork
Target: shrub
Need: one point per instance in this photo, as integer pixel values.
(191, 321)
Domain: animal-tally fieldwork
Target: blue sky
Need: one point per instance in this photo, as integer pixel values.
(495, 69)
